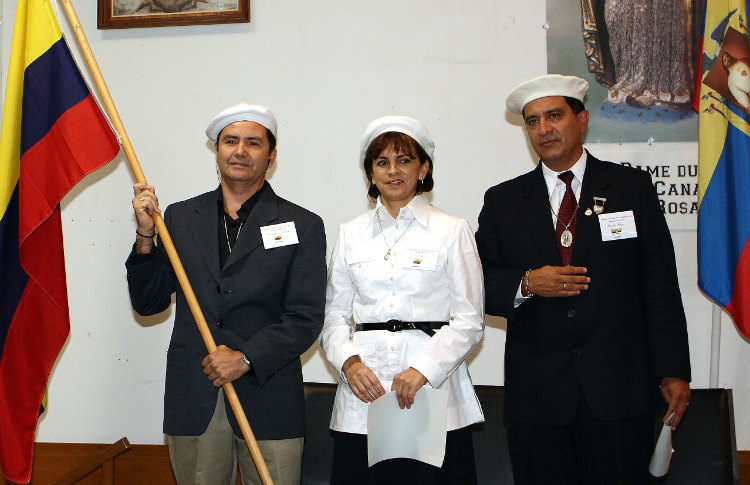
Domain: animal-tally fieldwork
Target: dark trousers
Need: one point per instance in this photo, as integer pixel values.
(588, 451)
(350, 463)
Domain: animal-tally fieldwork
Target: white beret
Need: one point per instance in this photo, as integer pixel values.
(241, 112)
(400, 124)
(543, 86)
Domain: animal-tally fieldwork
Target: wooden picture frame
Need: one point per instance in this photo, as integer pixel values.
(129, 14)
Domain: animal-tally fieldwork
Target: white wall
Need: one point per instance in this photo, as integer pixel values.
(326, 69)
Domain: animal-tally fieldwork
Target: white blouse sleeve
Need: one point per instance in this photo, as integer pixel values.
(335, 337)
(448, 348)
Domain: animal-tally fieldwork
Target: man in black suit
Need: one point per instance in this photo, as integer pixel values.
(578, 257)
(257, 265)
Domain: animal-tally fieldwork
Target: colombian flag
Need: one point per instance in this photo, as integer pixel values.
(724, 160)
(53, 134)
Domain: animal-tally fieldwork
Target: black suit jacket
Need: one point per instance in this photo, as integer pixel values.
(614, 341)
(268, 303)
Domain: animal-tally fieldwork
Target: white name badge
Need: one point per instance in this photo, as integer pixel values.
(617, 225)
(278, 235)
(421, 258)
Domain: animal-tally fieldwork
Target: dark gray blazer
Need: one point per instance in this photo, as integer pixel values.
(617, 339)
(268, 303)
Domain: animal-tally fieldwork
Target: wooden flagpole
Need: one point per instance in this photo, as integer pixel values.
(166, 240)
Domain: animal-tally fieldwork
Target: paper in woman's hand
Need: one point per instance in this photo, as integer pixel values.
(417, 433)
(659, 465)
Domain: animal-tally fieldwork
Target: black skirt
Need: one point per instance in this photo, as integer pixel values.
(350, 463)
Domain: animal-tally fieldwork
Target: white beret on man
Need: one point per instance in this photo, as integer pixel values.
(241, 112)
(398, 124)
(543, 86)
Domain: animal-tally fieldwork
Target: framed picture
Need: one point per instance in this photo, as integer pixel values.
(128, 14)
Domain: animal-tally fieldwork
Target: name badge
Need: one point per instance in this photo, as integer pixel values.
(617, 225)
(421, 258)
(278, 235)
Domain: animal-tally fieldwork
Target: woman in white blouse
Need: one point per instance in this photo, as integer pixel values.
(404, 307)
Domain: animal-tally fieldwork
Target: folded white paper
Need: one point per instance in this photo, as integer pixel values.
(417, 433)
(659, 465)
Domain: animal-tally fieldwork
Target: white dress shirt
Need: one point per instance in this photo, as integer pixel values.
(556, 187)
(556, 190)
(433, 274)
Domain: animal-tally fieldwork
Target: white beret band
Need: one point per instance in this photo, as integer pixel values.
(543, 86)
(241, 112)
(399, 124)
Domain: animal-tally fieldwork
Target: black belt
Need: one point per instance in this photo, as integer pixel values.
(397, 325)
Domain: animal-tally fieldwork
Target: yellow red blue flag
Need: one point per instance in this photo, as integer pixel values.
(724, 160)
(53, 134)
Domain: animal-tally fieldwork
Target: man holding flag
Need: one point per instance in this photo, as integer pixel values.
(257, 265)
(53, 134)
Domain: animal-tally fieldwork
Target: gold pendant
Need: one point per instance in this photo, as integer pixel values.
(566, 238)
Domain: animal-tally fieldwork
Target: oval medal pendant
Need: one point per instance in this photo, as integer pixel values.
(566, 238)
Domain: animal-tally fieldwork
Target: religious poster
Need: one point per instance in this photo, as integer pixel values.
(639, 59)
(674, 172)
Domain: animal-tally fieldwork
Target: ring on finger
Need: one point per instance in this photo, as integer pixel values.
(564, 286)
(143, 198)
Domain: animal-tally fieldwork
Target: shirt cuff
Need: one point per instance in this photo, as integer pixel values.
(431, 370)
(519, 297)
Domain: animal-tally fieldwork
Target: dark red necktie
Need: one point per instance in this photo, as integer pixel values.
(566, 216)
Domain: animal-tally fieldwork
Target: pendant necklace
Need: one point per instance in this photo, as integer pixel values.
(388, 254)
(226, 232)
(566, 238)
